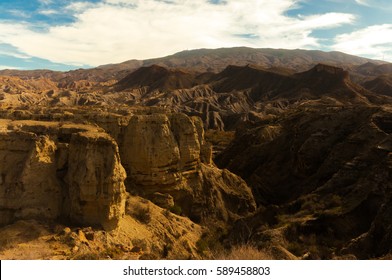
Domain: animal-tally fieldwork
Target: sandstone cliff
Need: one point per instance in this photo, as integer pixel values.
(167, 154)
(165, 159)
(50, 170)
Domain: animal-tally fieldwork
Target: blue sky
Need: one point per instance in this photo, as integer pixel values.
(64, 35)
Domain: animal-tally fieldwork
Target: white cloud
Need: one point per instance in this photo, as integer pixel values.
(373, 41)
(49, 12)
(378, 4)
(3, 67)
(45, 2)
(118, 30)
(325, 20)
(362, 2)
(79, 6)
(14, 54)
(18, 13)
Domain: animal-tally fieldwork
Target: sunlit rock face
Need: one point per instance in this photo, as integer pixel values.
(50, 171)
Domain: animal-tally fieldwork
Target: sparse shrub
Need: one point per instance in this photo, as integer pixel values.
(142, 214)
(113, 252)
(176, 209)
(89, 256)
(210, 242)
(202, 245)
(243, 252)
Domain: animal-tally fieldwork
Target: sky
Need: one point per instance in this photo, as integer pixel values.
(65, 35)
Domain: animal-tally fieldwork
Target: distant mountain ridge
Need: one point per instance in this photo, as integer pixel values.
(205, 60)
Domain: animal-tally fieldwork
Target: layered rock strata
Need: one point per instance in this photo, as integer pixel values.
(75, 171)
(167, 154)
(50, 170)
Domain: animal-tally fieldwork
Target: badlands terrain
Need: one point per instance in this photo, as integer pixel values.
(207, 154)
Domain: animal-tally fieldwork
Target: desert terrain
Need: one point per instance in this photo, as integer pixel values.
(233, 153)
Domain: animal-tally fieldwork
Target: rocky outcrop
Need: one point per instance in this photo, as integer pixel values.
(28, 187)
(321, 176)
(150, 153)
(165, 159)
(95, 179)
(167, 154)
(159, 151)
(50, 170)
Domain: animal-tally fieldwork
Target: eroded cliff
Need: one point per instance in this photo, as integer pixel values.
(51, 170)
(79, 172)
(167, 154)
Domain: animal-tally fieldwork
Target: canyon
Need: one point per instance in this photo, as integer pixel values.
(196, 154)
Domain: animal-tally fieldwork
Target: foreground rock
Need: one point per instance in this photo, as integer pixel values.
(65, 171)
(145, 232)
(51, 170)
(78, 167)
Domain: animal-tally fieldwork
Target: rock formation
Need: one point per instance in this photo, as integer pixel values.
(95, 179)
(51, 170)
(321, 177)
(80, 168)
(167, 154)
